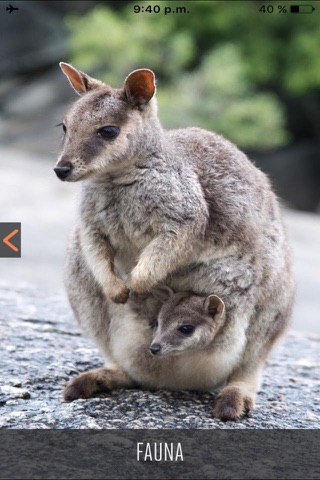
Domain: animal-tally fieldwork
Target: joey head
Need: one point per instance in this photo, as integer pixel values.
(186, 321)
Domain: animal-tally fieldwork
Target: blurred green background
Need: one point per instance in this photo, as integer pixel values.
(234, 70)
(224, 66)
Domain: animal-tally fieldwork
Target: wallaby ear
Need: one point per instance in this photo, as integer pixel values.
(162, 293)
(214, 305)
(139, 87)
(81, 82)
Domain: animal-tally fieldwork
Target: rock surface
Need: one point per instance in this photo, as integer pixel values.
(41, 349)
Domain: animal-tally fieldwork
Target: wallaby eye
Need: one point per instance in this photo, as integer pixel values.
(186, 329)
(109, 132)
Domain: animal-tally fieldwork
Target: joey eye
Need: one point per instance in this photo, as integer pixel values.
(153, 322)
(109, 132)
(186, 329)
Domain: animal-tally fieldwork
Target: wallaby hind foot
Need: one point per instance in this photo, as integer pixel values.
(96, 381)
(232, 403)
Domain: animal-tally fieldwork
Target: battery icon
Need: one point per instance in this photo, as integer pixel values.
(302, 9)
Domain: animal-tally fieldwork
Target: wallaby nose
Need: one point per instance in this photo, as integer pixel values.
(155, 348)
(62, 172)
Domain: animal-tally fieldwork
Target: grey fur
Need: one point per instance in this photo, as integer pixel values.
(183, 208)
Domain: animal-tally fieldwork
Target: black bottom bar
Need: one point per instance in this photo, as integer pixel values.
(203, 454)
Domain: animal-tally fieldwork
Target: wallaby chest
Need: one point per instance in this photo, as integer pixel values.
(134, 206)
(121, 211)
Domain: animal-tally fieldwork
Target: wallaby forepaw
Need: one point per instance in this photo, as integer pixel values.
(119, 295)
(232, 404)
(116, 290)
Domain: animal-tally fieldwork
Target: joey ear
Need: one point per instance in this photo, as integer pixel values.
(81, 82)
(214, 305)
(162, 293)
(139, 87)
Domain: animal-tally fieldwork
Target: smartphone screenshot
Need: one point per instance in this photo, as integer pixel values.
(159, 239)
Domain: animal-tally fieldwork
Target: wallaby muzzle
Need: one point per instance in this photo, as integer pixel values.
(62, 172)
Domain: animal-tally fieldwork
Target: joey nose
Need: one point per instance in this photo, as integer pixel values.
(62, 172)
(155, 348)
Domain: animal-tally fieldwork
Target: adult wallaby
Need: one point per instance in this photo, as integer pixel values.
(183, 208)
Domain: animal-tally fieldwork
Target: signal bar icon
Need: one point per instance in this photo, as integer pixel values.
(302, 9)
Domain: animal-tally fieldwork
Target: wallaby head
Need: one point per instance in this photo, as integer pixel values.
(186, 321)
(107, 128)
